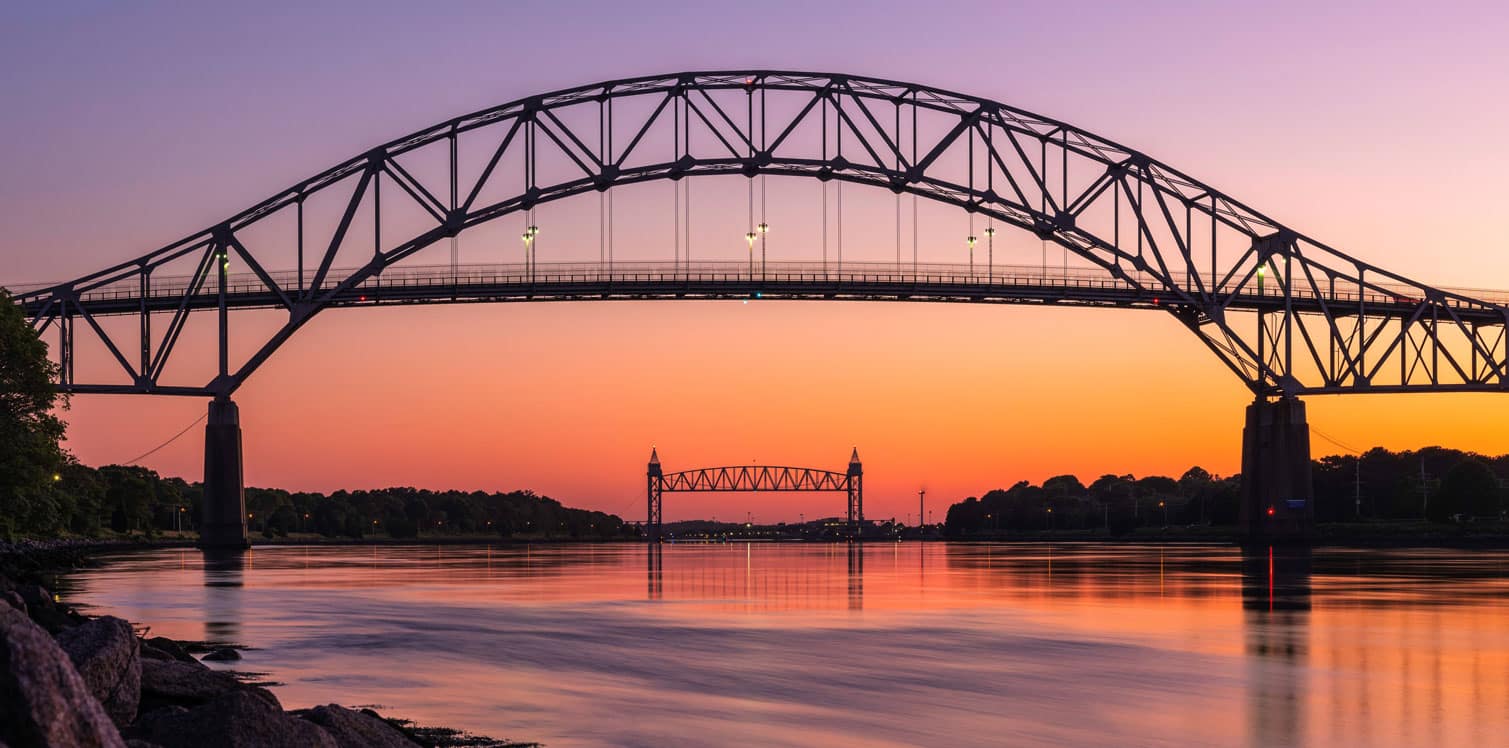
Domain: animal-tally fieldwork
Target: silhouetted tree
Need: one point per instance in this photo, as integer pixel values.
(1469, 488)
(30, 455)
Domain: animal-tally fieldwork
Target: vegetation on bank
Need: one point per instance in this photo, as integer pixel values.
(30, 431)
(44, 492)
(126, 500)
(1379, 487)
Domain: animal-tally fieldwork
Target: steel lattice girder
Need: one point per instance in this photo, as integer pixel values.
(1288, 314)
(755, 478)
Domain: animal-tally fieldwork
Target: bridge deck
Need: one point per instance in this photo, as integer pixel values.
(740, 280)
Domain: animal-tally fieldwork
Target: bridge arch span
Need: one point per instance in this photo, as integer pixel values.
(1286, 313)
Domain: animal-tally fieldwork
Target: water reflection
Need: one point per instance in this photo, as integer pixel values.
(655, 575)
(1276, 617)
(224, 576)
(856, 576)
(880, 643)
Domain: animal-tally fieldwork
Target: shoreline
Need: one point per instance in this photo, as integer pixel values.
(182, 701)
(62, 553)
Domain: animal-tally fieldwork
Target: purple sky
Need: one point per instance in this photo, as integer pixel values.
(1374, 127)
(126, 125)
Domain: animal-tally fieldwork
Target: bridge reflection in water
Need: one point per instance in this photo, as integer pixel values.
(1072, 642)
(224, 607)
(741, 576)
(1275, 618)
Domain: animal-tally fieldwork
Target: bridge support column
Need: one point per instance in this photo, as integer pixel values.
(654, 490)
(224, 524)
(1277, 495)
(856, 485)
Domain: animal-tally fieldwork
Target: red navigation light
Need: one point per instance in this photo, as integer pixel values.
(363, 298)
(1155, 300)
(1270, 511)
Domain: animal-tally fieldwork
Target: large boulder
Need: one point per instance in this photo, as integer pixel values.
(105, 653)
(238, 719)
(173, 683)
(353, 729)
(43, 701)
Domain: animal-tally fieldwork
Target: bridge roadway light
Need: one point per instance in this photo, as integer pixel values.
(990, 241)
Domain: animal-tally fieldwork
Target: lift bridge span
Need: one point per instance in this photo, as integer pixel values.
(1290, 315)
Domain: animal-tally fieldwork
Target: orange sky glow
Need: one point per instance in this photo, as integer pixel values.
(1384, 152)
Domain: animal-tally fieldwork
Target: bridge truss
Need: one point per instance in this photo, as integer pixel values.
(754, 478)
(1286, 313)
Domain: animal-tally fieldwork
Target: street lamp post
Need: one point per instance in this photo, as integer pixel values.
(990, 254)
(529, 236)
(764, 229)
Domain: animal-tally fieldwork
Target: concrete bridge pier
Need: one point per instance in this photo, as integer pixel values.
(1278, 497)
(224, 521)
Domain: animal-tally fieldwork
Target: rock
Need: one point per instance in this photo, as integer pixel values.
(13, 599)
(45, 610)
(36, 596)
(106, 654)
(172, 648)
(43, 701)
(223, 654)
(170, 683)
(153, 653)
(353, 729)
(238, 719)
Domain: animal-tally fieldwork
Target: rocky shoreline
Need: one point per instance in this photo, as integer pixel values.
(67, 679)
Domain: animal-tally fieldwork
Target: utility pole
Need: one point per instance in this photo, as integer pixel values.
(921, 504)
(1424, 491)
(1357, 486)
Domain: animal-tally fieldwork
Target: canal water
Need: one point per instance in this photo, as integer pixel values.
(832, 645)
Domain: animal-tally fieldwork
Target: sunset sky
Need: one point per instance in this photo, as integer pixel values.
(1377, 130)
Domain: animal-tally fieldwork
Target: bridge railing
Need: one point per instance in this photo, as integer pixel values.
(559, 274)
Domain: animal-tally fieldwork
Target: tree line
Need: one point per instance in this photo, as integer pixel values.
(1435, 483)
(44, 492)
(87, 501)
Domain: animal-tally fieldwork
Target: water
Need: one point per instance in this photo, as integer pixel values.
(825, 645)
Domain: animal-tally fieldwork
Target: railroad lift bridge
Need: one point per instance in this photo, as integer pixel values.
(755, 479)
(1286, 313)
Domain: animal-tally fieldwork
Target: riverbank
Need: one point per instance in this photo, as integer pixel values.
(1406, 534)
(72, 679)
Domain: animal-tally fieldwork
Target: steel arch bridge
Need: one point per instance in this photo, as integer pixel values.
(754, 479)
(1288, 314)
